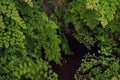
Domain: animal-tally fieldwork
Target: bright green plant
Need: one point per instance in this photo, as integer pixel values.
(31, 37)
(98, 68)
(25, 67)
(26, 34)
(93, 11)
(87, 16)
(59, 8)
(96, 22)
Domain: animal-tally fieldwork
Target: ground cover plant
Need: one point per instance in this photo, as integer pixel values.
(33, 33)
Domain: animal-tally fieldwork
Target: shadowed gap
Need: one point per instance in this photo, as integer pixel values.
(67, 70)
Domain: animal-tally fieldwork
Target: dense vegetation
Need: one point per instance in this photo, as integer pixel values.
(33, 33)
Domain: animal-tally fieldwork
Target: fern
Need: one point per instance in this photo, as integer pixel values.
(29, 2)
(98, 68)
(24, 38)
(29, 39)
(106, 9)
(93, 12)
(86, 17)
(8, 8)
(25, 67)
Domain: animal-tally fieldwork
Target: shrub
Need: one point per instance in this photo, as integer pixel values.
(33, 33)
(26, 34)
(99, 68)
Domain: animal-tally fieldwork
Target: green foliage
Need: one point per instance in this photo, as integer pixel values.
(105, 9)
(96, 22)
(25, 67)
(86, 18)
(75, 14)
(26, 34)
(58, 17)
(83, 35)
(103, 65)
(8, 8)
(31, 37)
(29, 2)
(98, 68)
(12, 38)
(93, 11)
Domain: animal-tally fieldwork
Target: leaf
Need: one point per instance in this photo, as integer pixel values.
(114, 78)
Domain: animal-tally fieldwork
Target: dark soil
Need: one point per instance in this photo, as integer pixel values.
(67, 70)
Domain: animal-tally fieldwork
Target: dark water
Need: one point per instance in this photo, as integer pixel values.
(67, 70)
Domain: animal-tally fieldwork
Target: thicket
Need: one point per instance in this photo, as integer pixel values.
(96, 24)
(33, 33)
(26, 35)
